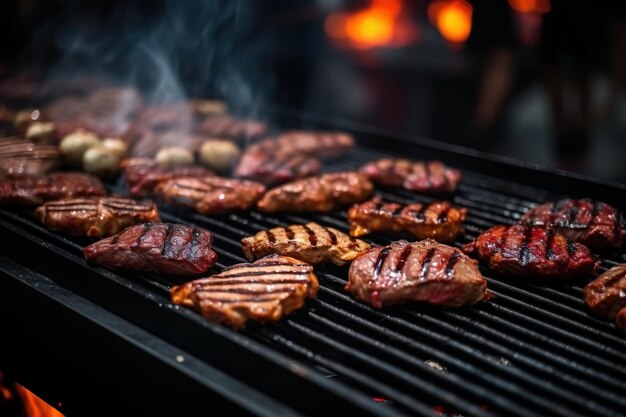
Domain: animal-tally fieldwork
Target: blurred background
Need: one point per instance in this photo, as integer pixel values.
(536, 80)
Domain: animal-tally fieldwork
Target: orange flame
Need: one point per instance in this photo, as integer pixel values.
(35, 406)
(453, 19)
(530, 6)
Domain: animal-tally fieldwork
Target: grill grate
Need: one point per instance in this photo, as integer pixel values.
(532, 351)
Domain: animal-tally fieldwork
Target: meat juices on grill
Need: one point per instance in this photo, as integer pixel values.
(310, 243)
(210, 195)
(322, 193)
(156, 247)
(95, 216)
(36, 191)
(532, 252)
(420, 271)
(606, 295)
(267, 168)
(430, 176)
(593, 223)
(263, 291)
(437, 220)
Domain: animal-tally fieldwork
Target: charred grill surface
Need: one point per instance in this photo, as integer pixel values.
(36, 191)
(422, 176)
(606, 295)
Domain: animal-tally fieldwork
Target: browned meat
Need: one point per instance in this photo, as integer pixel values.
(322, 193)
(35, 191)
(226, 126)
(157, 247)
(620, 320)
(593, 223)
(22, 159)
(143, 174)
(432, 176)
(96, 216)
(263, 291)
(268, 168)
(437, 220)
(420, 271)
(323, 145)
(606, 295)
(310, 243)
(532, 252)
(210, 195)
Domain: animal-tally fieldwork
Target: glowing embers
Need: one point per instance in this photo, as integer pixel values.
(452, 18)
(17, 401)
(530, 6)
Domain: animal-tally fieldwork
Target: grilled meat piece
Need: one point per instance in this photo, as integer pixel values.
(620, 320)
(230, 127)
(95, 216)
(593, 223)
(421, 271)
(437, 220)
(143, 174)
(432, 176)
(22, 159)
(156, 247)
(322, 193)
(532, 252)
(310, 243)
(606, 295)
(323, 145)
(210, 195)
(263, 291)
(269, 168)
(35, 191)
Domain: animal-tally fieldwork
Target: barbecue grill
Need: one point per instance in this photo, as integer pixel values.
(534, 350)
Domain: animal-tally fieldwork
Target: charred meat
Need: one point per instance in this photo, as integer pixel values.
(36, 191)
(210, 195)
(592, 223)
(430, 176)
(419, 271)
(156, 247)
(437, 220)
(269, 168)
(310, 243)
(532, 252)
(95, 216)
(263, 291)
(606, 295)
(143, 174)
(322, 193)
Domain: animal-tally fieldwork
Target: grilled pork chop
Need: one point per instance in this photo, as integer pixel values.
(310, 243)
(592, 223)
(620, 320)
(437, 220)
(263, 290)
(210, 195)
(156, 247)
(606, 295)
(95, 216)
(532, 252)
(35, 191)
(421, 271)
(322, 193)
(432, 176)
(269, 168)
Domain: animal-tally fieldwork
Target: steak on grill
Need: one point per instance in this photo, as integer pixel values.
(420, 271)
(226, 126)
(532, 252)
(35, 191)
(210, 195)
(323, 145)
(22, 159)
(310, 243)
(95, 216)
(593, 223)
(431, 176)
(322, 193)
(437, 220)
(263, 291)
(606, 295)
(156, 247)
(269, 168)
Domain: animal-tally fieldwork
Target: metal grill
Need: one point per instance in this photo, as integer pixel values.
(534, 350)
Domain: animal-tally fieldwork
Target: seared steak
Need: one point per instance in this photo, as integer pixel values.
(421, 271)
(532, 252)
(35, 191)
(96, 216)
(157, 247)
(324, 145)
(593, 223)
(263, 290)
(310, 243)
(606, 295)
(432, 176)
(437, 220)
(269, 168)
(143, 174)
(226, 126)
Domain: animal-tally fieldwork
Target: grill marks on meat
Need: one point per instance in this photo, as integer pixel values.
(35, 191)
(96, 216)
(317, 194)
(263, 291)
(593, 223)
(606, 295)
(532, 252)
(431, 176)
(210, 195)
(23, 159)
(437, 220)
(231, 127)
(310, 243)
(323, 145)
(420, 271)
(156, 247)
